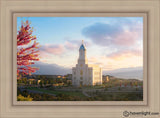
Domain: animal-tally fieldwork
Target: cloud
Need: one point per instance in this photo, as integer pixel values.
(101, 33)
(53, 49)
(59, 49)
(43, 55)
(92, 59)
(50, 52)
(70, 46)
(124, 37)
(125, 54)
(121, 33)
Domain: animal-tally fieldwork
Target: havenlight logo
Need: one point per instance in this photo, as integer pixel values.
(142, 113)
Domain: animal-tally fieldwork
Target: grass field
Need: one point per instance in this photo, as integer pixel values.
(62, 95)
(70, 93)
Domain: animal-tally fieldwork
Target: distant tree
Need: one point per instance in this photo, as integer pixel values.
(27, 49)
(41, 84)
(47, 82)
(136, 83)
(69, 83)
(34, 82)
(59, 80)
(44, 82)
(24, 80)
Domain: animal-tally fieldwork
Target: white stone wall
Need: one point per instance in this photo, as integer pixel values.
(89, 76)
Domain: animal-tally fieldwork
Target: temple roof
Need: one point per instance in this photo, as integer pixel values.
(82, 47)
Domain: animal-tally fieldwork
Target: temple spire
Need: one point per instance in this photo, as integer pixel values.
(82, 47)
(82, 54)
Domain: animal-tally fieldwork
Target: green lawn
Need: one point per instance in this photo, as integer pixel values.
(70, 93)
(45, 95)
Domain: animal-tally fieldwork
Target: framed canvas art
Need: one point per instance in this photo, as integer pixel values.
(63, 67)
(91, 67)
(79, 58)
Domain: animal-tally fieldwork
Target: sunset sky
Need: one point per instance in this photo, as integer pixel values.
(112, 42)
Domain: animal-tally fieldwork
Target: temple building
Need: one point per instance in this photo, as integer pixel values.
(84, 73)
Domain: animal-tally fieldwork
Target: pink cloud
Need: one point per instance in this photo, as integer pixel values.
(122, 34)
(92, 59)
(70, 46)
(126, 38)
(53, 49)
(126, 54)
(43, 54)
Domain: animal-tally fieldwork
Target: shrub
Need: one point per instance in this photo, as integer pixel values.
(22, 98)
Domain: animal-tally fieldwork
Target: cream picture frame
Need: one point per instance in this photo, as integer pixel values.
(9, 107)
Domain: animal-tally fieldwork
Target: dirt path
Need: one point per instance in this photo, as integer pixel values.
(84, 93)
